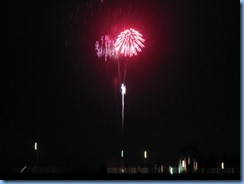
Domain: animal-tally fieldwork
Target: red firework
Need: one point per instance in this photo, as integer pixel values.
(129, 42)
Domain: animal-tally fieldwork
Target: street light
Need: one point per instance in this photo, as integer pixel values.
(35, 148)
(145, 156)
(222, 165)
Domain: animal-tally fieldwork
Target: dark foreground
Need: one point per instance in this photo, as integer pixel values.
(55, 173)
(101, 176)
(89, 176)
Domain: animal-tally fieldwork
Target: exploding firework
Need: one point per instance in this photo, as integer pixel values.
(129, 42)
(105, 47)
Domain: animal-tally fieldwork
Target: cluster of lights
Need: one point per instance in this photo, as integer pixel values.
(105, 47)
(185, 163)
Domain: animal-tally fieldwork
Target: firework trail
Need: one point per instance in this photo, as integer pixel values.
(128, 43)
(123, 92)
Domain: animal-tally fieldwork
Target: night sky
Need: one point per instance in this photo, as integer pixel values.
(182, 89)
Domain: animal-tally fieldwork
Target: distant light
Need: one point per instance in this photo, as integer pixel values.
(145, 154)
(195, 165)
(162, 168)
(171, 170)
(183, 163)
(222, 165)
(123, 89)
(122, 153)
(35, 146)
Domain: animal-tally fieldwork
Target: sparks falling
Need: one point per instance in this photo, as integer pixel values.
(105, 47)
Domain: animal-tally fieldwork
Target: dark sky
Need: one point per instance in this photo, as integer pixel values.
(182, 89)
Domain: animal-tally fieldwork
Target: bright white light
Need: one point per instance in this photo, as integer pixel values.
(35, 146)
(123, 89)
(171, 170)
(122, 153)
(222, 165)
(145, 154)
(183, 163)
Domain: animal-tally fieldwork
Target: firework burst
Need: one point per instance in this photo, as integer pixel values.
(105, 47)
(129, 42)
